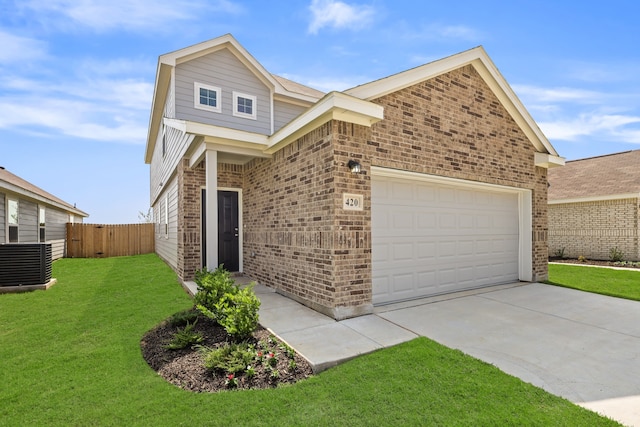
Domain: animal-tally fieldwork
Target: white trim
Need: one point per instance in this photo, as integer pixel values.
(334, 105)
(525, 209)
(595, 198)
(478, 58)
(240, 225)
(548, 161)
(196, 97)
(211, 181)
(9, 224)
(254, 105)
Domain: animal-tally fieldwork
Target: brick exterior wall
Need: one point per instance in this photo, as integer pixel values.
(591, 229)
(453, 125)
(299, 240)
(190, 182)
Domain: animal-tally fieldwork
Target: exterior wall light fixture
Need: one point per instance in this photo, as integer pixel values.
(354, 166)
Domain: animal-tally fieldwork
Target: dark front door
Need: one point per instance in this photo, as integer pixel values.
(228, 246)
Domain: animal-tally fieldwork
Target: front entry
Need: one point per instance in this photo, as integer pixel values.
(228, 232)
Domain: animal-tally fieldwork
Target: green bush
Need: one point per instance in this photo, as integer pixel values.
(185, 337)
(184, 317)
(616, 255)
(232, 358)
(212, 287)
(238, 312)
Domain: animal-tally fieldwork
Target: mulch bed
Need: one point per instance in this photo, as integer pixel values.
(594, 262)
(185, 367)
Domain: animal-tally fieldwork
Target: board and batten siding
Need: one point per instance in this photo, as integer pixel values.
(167, 245)
(224, 70)
(284, 113)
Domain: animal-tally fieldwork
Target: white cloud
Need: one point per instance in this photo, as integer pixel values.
(17, 49)
(613, 127)
(559, 94)
(104, 15)
(337, 14)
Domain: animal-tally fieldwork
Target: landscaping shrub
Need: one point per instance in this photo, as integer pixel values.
(238, 312)
(185, 337)
(212, 287)
(231, 358)
(616, 255)
(220, 299)
(183, 318)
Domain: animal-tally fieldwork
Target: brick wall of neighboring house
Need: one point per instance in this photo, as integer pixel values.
(591, 229)
(453, 125)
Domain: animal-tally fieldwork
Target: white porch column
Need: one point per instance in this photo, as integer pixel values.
(211, 162)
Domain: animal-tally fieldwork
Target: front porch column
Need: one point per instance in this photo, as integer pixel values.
(211, 162)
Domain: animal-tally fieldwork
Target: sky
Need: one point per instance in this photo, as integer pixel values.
(77, 76)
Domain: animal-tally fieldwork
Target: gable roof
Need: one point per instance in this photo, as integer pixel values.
(15, 184)
(603, 177)
(478, 58)
(279, 85)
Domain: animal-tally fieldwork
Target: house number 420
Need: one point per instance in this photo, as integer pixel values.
(352, 202)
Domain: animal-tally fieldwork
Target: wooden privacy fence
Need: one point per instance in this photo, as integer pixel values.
(102, 240)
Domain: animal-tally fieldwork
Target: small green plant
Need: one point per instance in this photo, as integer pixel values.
(250, 372)
(275, 375)
(272, 359)
(238, 312)
(559, 253)
(582, 258)
(185, 337)
(292, 365)
(616, 255)
(231, 381)
(212, 287)
(231, 358)
(289, 351)
(184, 317)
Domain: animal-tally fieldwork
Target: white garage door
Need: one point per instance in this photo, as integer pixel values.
(434, 238)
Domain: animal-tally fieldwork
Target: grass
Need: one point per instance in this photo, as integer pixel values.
(605, 281)
(71, 356)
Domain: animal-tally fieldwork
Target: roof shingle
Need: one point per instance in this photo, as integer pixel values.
(606, 175)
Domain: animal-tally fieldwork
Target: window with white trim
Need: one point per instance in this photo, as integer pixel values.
(12, 220)
(166, 216)
(244, 105)
(207, 97)
(42, 223)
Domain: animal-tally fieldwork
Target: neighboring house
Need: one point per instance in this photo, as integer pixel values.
(429, 181)
(29, 214)
(594, 206)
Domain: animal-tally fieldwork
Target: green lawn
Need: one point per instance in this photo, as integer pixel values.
(70, 356)
(605, 281)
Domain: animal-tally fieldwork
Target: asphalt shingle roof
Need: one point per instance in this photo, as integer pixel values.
(596, 176)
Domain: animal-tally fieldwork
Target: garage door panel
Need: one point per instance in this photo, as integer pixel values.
(430, 238)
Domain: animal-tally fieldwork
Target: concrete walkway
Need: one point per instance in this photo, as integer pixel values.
(581, 346)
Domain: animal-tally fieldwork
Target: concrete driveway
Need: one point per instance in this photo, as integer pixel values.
(581, 346)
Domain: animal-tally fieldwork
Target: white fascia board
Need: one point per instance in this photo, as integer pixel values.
(487, 70)
(548, 161)
(588, 199)
(198, 154)
(163, 77)
(21, 192)
(335, 105)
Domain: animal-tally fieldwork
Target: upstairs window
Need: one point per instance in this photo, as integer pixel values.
(244, 106)
(207, 97)
(12, 220)
(42, 223)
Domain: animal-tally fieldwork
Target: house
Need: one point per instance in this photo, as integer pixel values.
(29, 214)
(425, 182)
(594, 207)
